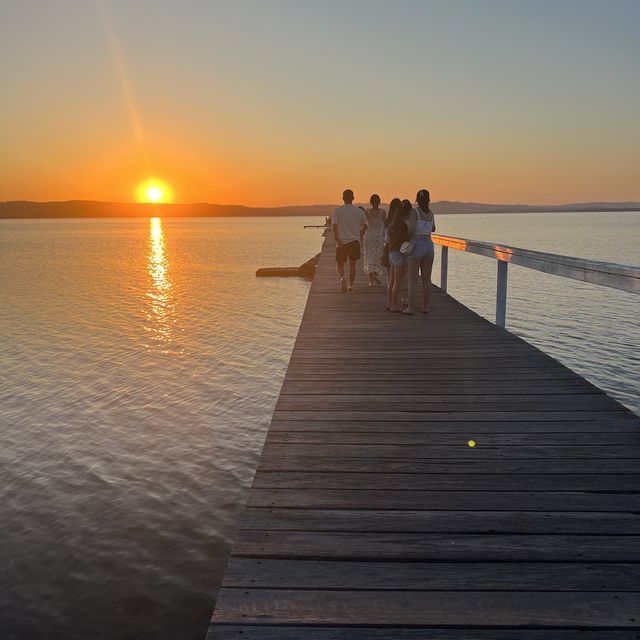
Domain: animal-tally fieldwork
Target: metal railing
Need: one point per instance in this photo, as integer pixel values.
(625, 277)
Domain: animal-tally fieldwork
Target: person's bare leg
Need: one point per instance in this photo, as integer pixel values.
(390, 280)
(412, 275)
(398, 276)
(340, 268)
(403, 287)
(427, 266)
(370, 274)
(352, 273)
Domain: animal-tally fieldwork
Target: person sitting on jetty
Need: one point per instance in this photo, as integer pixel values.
(398, 234)
(421, 225)
(373, 241)
(349, 223)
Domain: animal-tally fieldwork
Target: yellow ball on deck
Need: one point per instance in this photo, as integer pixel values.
(472, 443)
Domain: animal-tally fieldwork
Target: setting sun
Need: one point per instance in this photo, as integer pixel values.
(155, 191)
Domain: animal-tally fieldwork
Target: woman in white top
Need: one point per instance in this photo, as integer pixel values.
(421, 225)
(374, 240)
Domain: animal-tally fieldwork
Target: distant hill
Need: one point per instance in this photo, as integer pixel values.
(445, 206)
(94, 209)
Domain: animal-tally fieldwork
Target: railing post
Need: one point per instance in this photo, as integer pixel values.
(501, 294)
(444, 265)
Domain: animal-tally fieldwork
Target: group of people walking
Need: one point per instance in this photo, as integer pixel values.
(398, 242)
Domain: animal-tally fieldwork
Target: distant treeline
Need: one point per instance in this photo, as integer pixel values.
(93, 209)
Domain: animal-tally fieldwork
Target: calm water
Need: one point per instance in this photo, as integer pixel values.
(141, 360)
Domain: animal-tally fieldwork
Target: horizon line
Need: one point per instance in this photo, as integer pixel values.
(289, 206)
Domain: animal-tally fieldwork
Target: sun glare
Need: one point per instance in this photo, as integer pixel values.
(154, 194)
(155, 191)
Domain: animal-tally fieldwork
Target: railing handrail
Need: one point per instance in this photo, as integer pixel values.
(623, 276)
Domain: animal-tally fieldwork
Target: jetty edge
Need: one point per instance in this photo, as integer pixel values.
(371, 516)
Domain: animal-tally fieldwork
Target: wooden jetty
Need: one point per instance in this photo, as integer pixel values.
(371, 517)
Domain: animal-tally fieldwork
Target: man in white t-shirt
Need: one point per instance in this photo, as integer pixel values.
(349, 224)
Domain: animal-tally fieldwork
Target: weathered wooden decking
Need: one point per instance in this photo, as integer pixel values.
(370, 517)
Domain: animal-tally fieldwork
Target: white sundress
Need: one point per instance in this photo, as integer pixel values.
(374, 241)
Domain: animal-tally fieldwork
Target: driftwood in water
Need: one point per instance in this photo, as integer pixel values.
(306, 270)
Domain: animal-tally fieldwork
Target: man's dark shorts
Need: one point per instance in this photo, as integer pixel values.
(349, 251)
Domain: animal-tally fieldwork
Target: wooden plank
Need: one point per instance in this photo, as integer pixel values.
(444, 348)
(426, 402)
(455, 416)
(292, 386)
(442, 500)
(311, 372)
(462, 451)
(426, 437)
(274, 632)
(470, 608)
(448, 481)
(437, 547)
(264, 573)
(437, 335)
(433, 360)
(440, 350)
(412, 521)
(629, 426)
(514, 466)
(504, 365)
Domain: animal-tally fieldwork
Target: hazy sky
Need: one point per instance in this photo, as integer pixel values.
(271, 102)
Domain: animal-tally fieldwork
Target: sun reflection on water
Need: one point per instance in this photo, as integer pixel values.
(161, 314)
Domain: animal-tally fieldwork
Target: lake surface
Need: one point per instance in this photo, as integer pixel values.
(141, 360)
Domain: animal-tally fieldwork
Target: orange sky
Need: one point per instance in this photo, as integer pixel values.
(272, 103)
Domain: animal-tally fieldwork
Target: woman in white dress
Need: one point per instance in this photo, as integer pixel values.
(373, 241)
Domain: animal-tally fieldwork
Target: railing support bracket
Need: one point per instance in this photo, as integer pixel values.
(444, 267)
(501, 293)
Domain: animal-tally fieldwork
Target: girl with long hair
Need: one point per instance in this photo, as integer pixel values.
(398, 233)
(393, 208)
(420, 260)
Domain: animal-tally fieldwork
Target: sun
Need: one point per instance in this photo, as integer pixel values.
(154, 194)
(154, 191)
